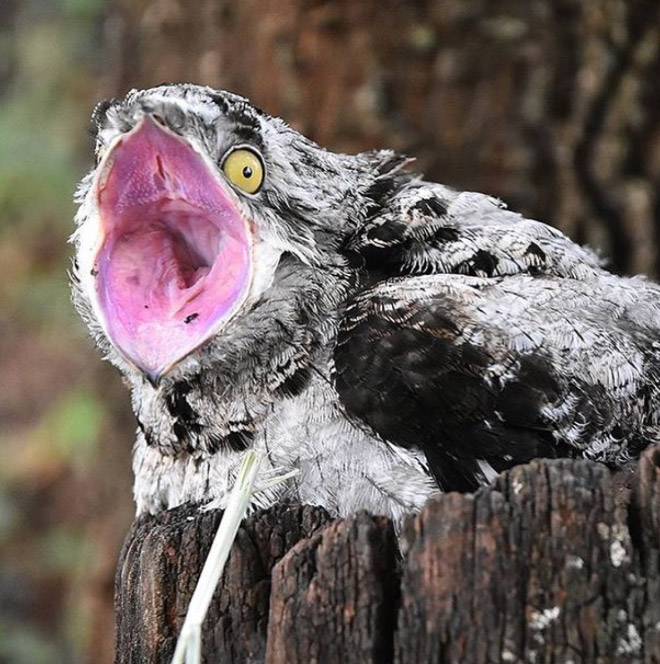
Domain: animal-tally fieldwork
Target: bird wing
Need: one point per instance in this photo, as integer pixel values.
(426, 228)
(484, 372)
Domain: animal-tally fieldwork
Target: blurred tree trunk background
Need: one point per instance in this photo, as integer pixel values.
(551, 105)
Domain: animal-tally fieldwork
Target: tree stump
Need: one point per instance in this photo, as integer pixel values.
(556, 562)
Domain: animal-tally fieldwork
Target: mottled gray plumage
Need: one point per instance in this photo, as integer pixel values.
(397, 337)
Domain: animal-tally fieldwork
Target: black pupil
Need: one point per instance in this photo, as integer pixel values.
(247, 172)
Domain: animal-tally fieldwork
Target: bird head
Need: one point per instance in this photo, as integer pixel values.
(195, 200)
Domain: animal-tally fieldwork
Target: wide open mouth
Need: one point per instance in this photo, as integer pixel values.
(175, 262)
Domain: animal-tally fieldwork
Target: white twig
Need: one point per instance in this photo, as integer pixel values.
(189, 646)
(269, 483)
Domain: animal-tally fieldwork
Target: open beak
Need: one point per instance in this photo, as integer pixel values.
(174, 259)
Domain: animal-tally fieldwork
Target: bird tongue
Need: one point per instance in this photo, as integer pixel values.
(175, 262)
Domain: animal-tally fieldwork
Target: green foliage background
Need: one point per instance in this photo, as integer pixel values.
(57, 435)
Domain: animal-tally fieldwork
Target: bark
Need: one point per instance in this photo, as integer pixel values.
(556, 562)
(553, 105)
(160, 564)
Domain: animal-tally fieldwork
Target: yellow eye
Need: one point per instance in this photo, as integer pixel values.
(244, 169)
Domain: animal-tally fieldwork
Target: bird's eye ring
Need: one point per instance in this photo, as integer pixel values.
(244, 168)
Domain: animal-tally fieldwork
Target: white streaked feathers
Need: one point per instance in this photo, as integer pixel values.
(340, 465)
(510, 287)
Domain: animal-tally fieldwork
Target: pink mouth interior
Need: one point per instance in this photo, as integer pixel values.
(176, 257)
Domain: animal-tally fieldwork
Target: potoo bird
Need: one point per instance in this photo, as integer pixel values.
(385, 336)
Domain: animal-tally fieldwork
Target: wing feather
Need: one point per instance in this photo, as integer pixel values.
(488, 372)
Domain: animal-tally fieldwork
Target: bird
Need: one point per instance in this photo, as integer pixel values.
(386, 337)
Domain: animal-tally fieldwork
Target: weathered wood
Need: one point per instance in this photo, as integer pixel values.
(540, 569)
(551, 564)
(334, 596)
(159, 566)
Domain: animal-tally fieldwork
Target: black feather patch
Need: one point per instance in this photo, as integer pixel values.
(185, 418)
(147, 433)
(535, 250)
(294, 384)
(381, 189)
(386, 234)
(236, 441)
(446, 234)
(178, 405)
(431, 206)
(392, 245)
(410, 375)
(483, 263)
